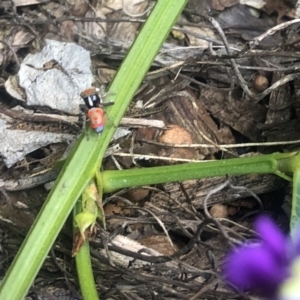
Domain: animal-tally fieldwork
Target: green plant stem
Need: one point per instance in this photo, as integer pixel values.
(84, 266)
(295, 213)
(87, 155)
(277, 163)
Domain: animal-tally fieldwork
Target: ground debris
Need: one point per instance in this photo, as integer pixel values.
(227, 75)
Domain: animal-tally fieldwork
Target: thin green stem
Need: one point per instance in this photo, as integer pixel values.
(295, 214)
(262, 164)
(84, 266)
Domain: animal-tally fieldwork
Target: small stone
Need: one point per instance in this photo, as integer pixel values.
(219, 211)
(260, 83)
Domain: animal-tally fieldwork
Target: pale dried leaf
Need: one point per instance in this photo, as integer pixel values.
(28, 2)
(22, 38)
(194, 35)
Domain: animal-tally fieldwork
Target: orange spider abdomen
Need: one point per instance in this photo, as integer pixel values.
(97, 120)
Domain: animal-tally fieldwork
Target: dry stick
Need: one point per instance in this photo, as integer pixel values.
(267, 144)
(268, 53)
(260, 96)
(218, 224)
(79, 19)
(215, 144)
(227, 183)
(269, 69)
(208, 215)
(180, 64)
(96, 14)
(205, 288)
(56, 263)
(161, 225)
(237, 187)
(142, 156)
(209, 194)
(104, 239)
(255, 42)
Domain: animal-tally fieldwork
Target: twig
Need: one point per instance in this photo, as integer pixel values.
(267, 144)
(255, 42)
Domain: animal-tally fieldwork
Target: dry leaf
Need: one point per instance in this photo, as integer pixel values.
(28, 2)
(194, 34)
(21, 39)
(159, 243)
(278, 6)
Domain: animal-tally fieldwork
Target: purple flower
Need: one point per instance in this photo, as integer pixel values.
(264, 266)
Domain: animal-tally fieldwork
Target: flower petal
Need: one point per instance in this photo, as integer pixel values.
(252, 267)
(272, 238)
